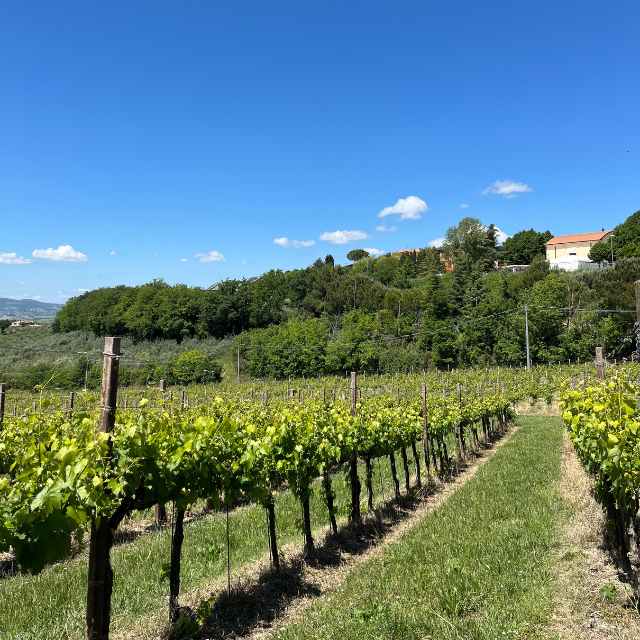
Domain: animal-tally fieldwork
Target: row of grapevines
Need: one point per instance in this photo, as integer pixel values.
(57, 471)
(604, 426)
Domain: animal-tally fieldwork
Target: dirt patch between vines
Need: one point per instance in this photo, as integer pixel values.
(586, 563)
(262, 600)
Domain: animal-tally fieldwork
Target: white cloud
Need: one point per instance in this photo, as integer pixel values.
(285, 243)
(184, 259)
(344, 237)
(409, 208)
(114, 253)
(382, 227)
(80, 290)
(501, 236)
(464, 206)
(507, 188)
(243, 262)
(212, 256)
(14, 258)
(438, 242)
(374, 252)
(64, 253)
(36, 297)
(155, 255)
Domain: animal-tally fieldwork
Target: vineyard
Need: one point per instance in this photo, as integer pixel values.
(73, 468)
(604, 426)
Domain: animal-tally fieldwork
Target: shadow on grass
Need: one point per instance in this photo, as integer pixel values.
(258, 604)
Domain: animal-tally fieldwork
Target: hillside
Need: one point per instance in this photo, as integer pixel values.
(28, 309)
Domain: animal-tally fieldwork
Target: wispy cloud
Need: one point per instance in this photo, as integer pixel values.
(344, 237)
(114, 253)
(81, 290)
(14, 258)
(383, 227)
(285, 243)
(184, 260)
(464, 206)
(212, 256)
(64, 253)
(374, 252)
(155, 255)
(243, 262)
(507, 188)
(409, 208)
(438, 242)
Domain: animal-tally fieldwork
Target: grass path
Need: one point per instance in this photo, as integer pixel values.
(480, 566)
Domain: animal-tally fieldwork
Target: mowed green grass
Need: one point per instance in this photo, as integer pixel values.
(51, 605)
(477, 567)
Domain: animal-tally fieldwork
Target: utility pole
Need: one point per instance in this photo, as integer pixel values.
(611, 243)
(526, 325)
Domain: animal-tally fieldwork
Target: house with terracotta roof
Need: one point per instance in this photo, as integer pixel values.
(578, 244)
(571, 252)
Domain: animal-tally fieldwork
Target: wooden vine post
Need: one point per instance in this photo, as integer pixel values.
(355, 481)
(100, 579)
(599, 363)
(160, 512)
(425, 431)
(3, 395)
(459, 426)
(637, 326)
(271, 513)
(71, 400)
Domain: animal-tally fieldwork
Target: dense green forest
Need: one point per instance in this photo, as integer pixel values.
(387, 313)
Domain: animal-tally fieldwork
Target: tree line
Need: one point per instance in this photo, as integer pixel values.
(387, 313)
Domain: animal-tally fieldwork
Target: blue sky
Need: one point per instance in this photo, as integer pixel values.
(203, 131)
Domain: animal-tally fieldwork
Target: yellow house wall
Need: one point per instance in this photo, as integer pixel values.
(580, 248)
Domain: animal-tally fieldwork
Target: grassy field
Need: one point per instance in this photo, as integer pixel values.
(478, 567)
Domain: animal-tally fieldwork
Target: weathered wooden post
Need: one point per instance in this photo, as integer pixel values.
(100, 578)
(3, 393)
(459, 427)
(163, 387)
(425, 431)
(355, 481)
(160, 513)
(599, 363)
(72, 396)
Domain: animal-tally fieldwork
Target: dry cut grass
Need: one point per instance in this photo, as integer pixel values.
(586, 564)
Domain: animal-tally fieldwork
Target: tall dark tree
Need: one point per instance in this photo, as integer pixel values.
(524, 246)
